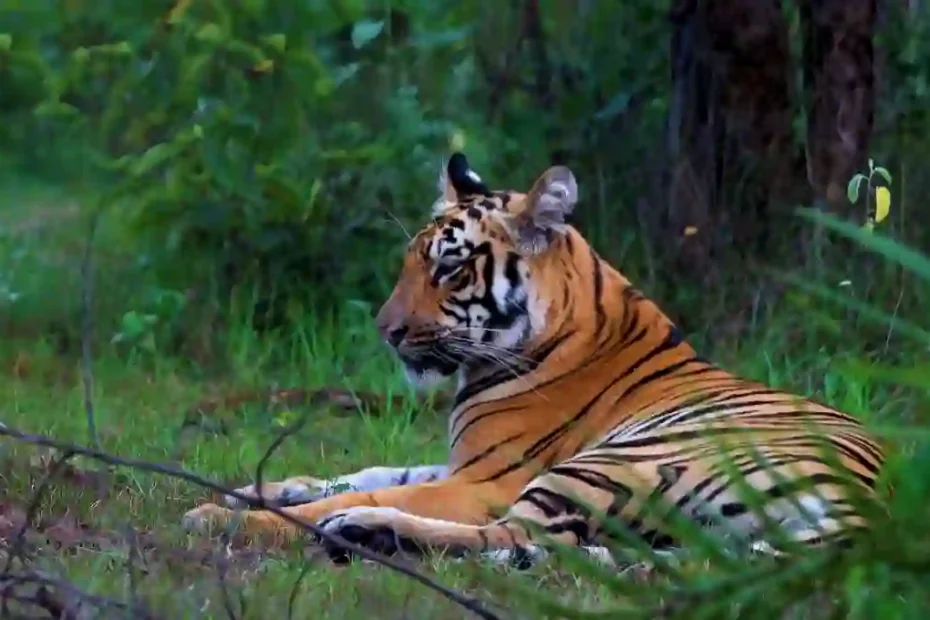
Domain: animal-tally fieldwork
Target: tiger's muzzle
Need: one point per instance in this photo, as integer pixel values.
(415, 339)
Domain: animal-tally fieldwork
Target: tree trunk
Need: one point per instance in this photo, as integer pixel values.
(839, 80)
(730, 129)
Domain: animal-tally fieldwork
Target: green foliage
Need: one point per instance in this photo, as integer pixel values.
(139, 329)
(239, 147)
(226, 133)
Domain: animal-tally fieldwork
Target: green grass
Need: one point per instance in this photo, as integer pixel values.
(121, 537)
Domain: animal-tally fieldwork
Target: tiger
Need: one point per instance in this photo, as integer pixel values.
(577, 405)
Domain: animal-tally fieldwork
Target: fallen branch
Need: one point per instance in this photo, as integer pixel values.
(466, 602)
(59, 598)
(18, 547)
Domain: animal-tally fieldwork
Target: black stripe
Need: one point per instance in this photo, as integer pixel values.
(593, 479)
(453, 312)
(600, 317)
(579, 527)
(665, 438)
(458, 435)
(485, 543)
(486, 452)
(784, 489)
(664, 372)
(547, 502)
(537, 357)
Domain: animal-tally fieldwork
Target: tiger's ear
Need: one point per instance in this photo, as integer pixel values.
(457, 180)
(548, 204)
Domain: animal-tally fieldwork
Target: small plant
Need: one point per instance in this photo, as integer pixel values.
(879, 196)
(139, 328)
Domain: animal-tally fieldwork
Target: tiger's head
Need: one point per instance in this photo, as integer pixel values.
(465, 297)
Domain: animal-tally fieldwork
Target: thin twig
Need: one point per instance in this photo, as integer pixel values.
(315, 399)
(295, 589)
(273, 447)
(87, 327)
(222, 568)
(17, 549)
(471, 604)
(9, 584)
(134, 554)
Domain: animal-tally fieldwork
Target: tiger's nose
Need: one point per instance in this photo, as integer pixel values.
(395, 335)
(393, 322)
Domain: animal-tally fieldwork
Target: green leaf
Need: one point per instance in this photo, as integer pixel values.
(365, 31)
(6, 41)
(56, 108)
(151, 158)
(148, 342)
(885, 174)
(133, 325)
(254, 8)
(276, 41)
(123, 48)
(252, 52)
(617, 105)
(210, 33)
(80, 55)
(193, 69)
(440, 38)
(852, 190)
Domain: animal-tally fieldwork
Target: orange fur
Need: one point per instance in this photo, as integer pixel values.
(582, 402)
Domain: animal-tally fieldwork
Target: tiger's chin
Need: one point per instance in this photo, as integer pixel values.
(426, 371)
(424, 379)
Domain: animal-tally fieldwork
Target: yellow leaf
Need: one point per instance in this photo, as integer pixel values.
(263, 66)
(690, 230)
(882, 203)
(457, 140)
(284, 418)
(177, 12)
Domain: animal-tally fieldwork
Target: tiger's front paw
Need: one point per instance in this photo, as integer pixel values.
(207, 518)
(288, 492)
(382, 530)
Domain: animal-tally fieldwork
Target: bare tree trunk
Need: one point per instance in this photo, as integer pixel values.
(839, 80)
(730, 130)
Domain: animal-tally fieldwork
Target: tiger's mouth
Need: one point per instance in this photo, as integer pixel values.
(431, 357)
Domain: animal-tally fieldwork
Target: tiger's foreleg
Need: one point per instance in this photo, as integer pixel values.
(306, 489)
(570, 505)
(450, 500)
(566, 505)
